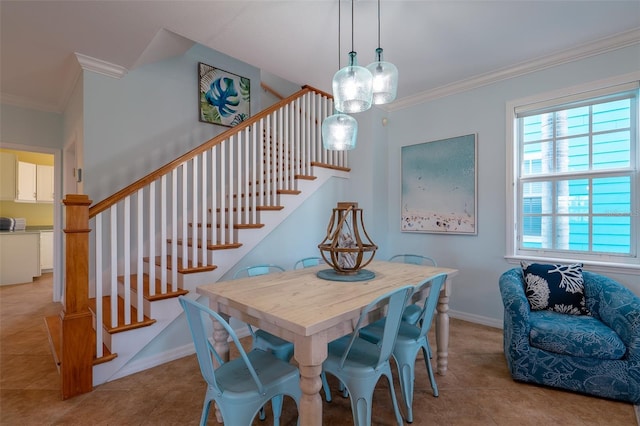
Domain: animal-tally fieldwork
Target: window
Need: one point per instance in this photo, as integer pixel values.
(575, 177)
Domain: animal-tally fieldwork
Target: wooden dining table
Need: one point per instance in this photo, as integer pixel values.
(310, 311)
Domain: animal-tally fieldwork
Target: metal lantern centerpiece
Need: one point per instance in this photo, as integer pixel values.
(344, 249)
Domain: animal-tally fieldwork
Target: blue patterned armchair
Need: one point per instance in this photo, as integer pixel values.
(597, 354)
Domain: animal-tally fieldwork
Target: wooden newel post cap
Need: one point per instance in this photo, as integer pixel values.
(77, 200)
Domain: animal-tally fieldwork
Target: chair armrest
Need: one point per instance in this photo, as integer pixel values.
(618, 308)
(516, 308)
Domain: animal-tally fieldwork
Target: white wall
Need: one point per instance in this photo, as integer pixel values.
(480, 258)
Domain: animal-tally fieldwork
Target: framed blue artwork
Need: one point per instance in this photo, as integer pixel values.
(225, 98)
(439, 186)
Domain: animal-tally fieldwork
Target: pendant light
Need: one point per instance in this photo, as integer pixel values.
(353, 84)
(385, 75)
(339, 131)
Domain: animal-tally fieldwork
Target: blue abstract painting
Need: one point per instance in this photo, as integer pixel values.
(225, 98)
(439, 186)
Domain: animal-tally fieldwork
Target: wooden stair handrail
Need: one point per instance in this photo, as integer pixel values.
(141, 183)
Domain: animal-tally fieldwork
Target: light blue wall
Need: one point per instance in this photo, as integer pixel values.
(23, 126)
(138, 123)
(480, 258)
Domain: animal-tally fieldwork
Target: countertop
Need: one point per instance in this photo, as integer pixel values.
(30, 230)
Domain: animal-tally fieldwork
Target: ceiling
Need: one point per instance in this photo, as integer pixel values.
(433, 43)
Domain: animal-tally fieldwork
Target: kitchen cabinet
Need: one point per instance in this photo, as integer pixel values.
(7, 176)
(20, 260)
(44, 183)
(46, 250)
(35, 183)
(26, 185)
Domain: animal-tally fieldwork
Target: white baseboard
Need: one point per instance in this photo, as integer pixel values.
(476, 319)
(137, 366)
(180, 352)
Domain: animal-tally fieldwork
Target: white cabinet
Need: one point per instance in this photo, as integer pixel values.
(35, 183)
(46, 250)
(26, 187)
(20, 260)
(44, 183)
(7, 176)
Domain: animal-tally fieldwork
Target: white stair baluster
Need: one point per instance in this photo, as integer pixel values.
(113, 263)
(163, 236)
(140, 254)
(126, 242)
(99, 289)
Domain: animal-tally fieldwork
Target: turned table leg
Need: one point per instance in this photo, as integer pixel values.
(310, 352)
(442, 329)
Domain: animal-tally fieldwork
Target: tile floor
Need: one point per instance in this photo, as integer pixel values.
(477, 390)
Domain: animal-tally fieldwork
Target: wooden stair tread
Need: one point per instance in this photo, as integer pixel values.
(329, 166)
(236, 226)
(158, 284)
(106, 316)
(289, 191)
(219, 246)
(306, 177)
(54, 332)
(210, 246)
(258, 208)
(190, 269)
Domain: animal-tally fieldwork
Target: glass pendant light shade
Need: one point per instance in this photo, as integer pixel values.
(339, 132)
(353, 87)
(385, 80)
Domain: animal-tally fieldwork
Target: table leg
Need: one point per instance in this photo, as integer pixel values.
(442, 329)
(221, 345)
(310, 352)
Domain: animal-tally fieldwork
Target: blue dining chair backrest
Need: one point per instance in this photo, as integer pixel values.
(412, 311)
(264, 340)
(410, 339)
(256, 270)
(415, 259)
(359, 364)
(308, 262)
(236, 386)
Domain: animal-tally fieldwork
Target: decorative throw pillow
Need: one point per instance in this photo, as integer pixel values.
(558, 288)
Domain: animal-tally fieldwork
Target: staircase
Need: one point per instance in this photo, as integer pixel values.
(186, 224)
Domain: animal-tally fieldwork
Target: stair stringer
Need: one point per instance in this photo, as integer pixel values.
(128, 344)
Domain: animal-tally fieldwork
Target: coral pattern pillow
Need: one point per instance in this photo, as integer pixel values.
(558, 288)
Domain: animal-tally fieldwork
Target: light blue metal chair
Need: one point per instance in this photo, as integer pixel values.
(308, 262)
(412, 311)
(411, 338)
(359, 364)
(262, 339)
(242, 386)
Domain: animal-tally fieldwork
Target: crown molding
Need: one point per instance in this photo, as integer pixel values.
(603, 45)
(87, 63)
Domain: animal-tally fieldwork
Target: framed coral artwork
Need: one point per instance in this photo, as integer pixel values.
(439, 186)
(225, 98)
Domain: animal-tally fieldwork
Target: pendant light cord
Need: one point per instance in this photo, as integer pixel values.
(378, 23)
(352, 20)
(339, 27)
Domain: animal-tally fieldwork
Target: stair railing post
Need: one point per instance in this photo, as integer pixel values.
(76, 361)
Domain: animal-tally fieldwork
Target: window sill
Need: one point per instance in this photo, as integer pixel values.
(604, 267)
